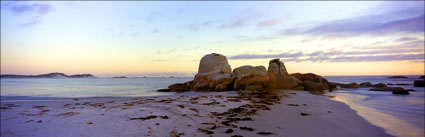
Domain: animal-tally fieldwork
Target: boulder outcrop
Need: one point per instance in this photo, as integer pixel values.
(253, 78)
(214, 74)
(313, 82)
(283, 79)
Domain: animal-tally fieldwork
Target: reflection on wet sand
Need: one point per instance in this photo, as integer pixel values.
(391, 124)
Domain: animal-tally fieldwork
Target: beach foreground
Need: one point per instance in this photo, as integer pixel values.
(285, 113)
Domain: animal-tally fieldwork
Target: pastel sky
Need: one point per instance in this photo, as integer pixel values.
(138, 38)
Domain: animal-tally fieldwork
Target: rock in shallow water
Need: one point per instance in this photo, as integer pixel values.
(351, 85)
(366, 84)
(419, 83)
(395, 90)
(379, 85)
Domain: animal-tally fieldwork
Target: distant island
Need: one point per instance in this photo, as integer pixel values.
(49, 75)
(120, 77)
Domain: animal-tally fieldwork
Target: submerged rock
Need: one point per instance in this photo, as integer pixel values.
(401, 92)
(395, 90)
(419, 83)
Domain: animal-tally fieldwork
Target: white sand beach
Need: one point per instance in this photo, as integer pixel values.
(289, 113)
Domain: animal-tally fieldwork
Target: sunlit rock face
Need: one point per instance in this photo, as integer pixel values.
(214, 74)
(253, 78)
(277, 67)
(283, 79)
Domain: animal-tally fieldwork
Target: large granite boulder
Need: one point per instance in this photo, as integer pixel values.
(315, 82)
(419, 83)
(253, 78)
(283, 79)
(277, 67)
(314, 87)
(214, 74)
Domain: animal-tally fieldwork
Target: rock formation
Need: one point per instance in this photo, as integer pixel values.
(214, 74)
(253, 78)
(313, 82)
(283, 79)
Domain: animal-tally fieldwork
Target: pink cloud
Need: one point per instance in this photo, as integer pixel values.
(269, 22)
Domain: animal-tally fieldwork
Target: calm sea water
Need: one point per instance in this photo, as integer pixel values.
(34, 88)
(400, 115)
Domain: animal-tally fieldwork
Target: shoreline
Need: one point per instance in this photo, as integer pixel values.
(187, 114)
(393, 124)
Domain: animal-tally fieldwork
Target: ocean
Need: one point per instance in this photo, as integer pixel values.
(400, 115)
(40, 88)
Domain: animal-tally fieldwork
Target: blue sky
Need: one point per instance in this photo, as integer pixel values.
(169, 38)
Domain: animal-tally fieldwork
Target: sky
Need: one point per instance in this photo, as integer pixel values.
(168, 38)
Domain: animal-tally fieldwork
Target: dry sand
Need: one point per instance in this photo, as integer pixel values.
(288, 113)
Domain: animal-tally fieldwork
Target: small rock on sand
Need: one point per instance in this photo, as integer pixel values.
(229, 131)
(246, 128)
(264, 133)
(205, 131)
(304, 114)
(194, 109)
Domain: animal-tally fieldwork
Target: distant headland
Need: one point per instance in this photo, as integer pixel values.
(49, 75)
